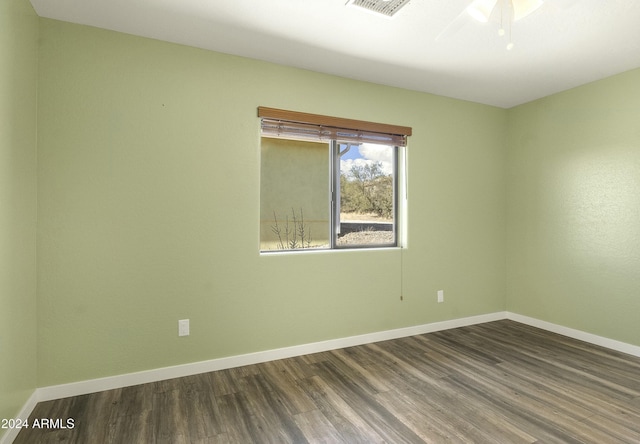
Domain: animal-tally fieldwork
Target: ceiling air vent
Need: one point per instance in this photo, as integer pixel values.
(387, 8)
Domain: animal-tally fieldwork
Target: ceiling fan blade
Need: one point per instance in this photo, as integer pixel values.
(522, 8)
(454, 26)
(481, 9)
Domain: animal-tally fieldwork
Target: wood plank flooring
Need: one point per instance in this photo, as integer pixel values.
(499, 382)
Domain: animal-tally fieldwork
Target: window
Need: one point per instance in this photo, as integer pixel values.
(328, 183)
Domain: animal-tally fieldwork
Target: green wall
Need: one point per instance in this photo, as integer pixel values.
(574, 208)
(149, 209)
(18, 86)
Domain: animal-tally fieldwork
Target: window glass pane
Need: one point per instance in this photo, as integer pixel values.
(367, 209)
(294, 188)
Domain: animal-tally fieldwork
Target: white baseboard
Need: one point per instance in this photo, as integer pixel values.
(612, 344)
(24, 413)
(126, 380)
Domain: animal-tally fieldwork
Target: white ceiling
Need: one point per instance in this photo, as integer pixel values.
(430, 45)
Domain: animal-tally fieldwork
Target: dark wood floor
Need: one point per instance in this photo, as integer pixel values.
(499, 382)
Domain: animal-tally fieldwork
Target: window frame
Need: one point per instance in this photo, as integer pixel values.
(336, 194)
(334, 131)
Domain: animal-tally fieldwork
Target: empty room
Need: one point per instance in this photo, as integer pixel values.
(320, 221)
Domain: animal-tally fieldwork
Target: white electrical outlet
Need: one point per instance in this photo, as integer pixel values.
(183, 327)
(440, 296)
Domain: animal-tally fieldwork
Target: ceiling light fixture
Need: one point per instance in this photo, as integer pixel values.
(509, 11)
